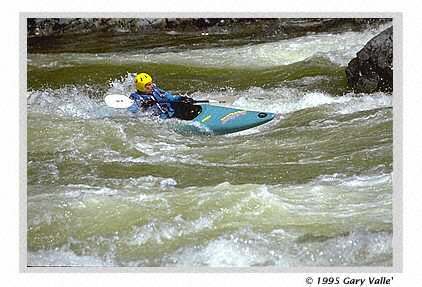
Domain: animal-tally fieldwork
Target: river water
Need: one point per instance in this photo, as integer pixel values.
(107, 188)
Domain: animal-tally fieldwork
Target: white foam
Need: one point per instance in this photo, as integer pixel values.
(155, 232)
(353, 103)
(168, 183)
(123, 85)
(65, 258)
(75, 190)
(220, 253)
(68, 102)
(368, 181)
(339, 48)
(355, 249)
(287, 100)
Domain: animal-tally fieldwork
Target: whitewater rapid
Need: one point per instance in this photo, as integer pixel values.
(314, 187)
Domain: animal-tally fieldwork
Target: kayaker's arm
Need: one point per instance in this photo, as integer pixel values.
(134, 96)
(141, 100)
(147, 103)
(171, 98)
(178, 99)
(175, 99)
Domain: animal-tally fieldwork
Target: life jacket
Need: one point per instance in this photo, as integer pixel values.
(162, 102)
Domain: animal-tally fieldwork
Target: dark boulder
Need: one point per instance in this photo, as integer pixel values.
(372, 69)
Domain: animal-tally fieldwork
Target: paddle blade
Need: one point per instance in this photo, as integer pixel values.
(118, 101)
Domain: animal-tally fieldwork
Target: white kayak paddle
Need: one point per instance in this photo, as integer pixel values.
(118, 101)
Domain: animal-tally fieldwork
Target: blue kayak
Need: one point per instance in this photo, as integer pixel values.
(203, 118)
(218, 120)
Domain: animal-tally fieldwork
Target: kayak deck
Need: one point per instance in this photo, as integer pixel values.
(223, 120)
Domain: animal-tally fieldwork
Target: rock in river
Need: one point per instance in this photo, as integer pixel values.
(372, 69)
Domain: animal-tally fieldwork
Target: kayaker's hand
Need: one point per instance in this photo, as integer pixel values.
(187, 100)
(147, 103)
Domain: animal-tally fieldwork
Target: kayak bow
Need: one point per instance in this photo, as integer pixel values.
(224, 120)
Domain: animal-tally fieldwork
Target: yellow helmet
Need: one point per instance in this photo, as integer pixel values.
(141, 80)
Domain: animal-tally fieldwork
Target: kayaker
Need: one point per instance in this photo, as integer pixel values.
(148, 97)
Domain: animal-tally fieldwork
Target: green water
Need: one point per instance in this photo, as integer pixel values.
(107, 188)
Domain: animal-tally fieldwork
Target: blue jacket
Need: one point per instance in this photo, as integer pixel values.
(160, 102)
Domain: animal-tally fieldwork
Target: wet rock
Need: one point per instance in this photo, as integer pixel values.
(372, 69)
